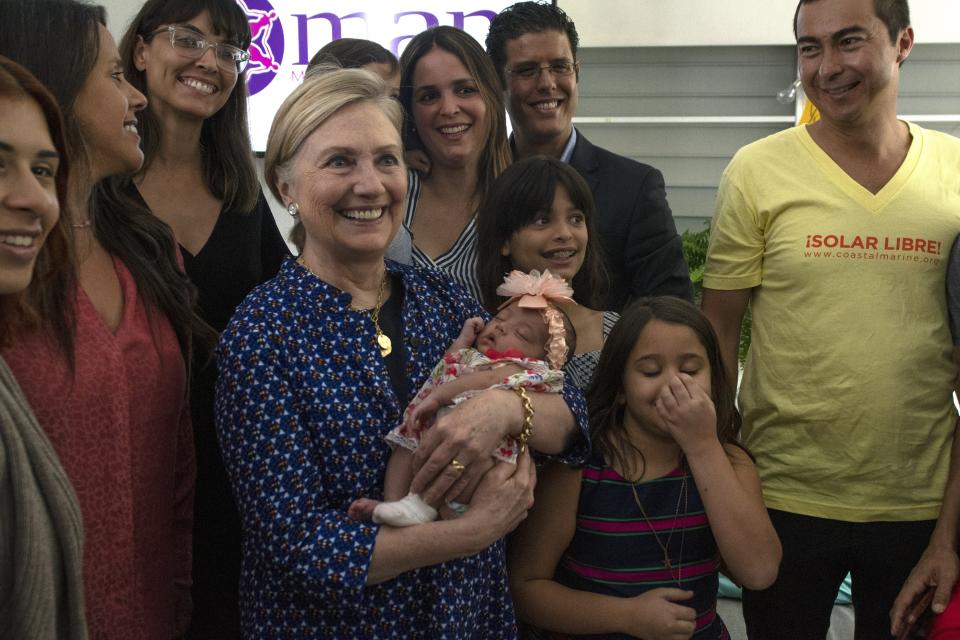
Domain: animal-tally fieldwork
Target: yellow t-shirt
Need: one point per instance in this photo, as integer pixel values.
(846, 393)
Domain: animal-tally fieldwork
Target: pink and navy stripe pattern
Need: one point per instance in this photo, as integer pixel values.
(614, 550)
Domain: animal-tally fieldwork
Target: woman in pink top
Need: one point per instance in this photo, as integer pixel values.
(117, 415)
(41, 594)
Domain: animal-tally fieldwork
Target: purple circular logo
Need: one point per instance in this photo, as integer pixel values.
(266, 46)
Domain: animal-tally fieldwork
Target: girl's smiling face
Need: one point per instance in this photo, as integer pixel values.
(554, 240)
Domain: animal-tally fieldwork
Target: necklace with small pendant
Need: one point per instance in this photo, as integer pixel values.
(683, 496)
(383, 340)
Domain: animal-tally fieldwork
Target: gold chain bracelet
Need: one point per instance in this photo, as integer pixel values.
(526, 431)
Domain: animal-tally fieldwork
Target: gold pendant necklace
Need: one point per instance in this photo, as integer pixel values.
(383, 340)
(667, 563)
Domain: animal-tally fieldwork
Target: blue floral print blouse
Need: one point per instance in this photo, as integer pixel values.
(304, 401)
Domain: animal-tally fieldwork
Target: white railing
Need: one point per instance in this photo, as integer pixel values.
(654, 120)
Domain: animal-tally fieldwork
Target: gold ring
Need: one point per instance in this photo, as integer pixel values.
(456, 464)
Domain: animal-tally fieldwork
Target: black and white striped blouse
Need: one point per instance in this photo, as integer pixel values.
(460, 261)
(582, 365)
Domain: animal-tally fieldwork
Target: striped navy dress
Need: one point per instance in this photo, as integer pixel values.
(460, 261)
(613, 551)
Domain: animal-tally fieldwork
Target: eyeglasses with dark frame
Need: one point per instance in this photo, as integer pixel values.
(530, 70)
(190, 44)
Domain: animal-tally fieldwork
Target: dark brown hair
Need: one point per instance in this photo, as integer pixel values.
(58, 41)
(522, 18)
(895, 15)
(522, 192)
(228, 167)
(353, 53)
(607, 434)
(496, 153)
(47, 297)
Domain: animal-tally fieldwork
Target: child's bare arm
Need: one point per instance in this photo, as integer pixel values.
(532, 558)
(728, 482)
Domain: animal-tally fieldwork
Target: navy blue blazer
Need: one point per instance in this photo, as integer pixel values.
(642, 250)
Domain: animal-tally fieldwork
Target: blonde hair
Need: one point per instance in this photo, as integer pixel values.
(321, 95)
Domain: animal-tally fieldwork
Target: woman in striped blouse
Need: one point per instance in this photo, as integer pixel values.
(454, 113)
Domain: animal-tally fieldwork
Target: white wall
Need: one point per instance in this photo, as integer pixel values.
(119, 13)
(639, 23)
(652, 23)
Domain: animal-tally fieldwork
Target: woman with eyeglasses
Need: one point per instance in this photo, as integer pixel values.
(114, 406)
(198, 176)
(453, 105)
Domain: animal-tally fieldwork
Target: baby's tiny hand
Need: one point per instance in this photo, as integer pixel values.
(474, 326)
(468, 335)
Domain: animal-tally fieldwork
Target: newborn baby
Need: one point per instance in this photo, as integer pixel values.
(523, 346)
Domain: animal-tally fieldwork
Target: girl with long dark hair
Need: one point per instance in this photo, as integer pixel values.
(41, 588)
(630, 544)
(539, 214)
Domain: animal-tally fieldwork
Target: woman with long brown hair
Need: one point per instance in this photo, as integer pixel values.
(41, 589)
(198, 176)
(454, 112)
(118, 417)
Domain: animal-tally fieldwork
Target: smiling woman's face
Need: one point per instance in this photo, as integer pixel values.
(448, 109)
(28, 197)
(106, 109)
(176, 82)
(349, 183)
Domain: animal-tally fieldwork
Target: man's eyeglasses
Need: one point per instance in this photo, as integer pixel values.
(531, 70)
(191, 45)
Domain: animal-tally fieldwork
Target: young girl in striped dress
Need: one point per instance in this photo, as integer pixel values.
(630, 545)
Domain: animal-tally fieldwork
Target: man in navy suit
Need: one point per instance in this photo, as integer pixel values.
(534, 48)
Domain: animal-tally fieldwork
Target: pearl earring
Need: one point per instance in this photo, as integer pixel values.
(293, 209)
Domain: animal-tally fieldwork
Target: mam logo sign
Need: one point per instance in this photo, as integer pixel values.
(286, 34)
(266, 47)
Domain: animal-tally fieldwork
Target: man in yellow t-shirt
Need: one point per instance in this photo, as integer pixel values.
(838, 234)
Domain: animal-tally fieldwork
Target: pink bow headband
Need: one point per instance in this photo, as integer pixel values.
(538, 291)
